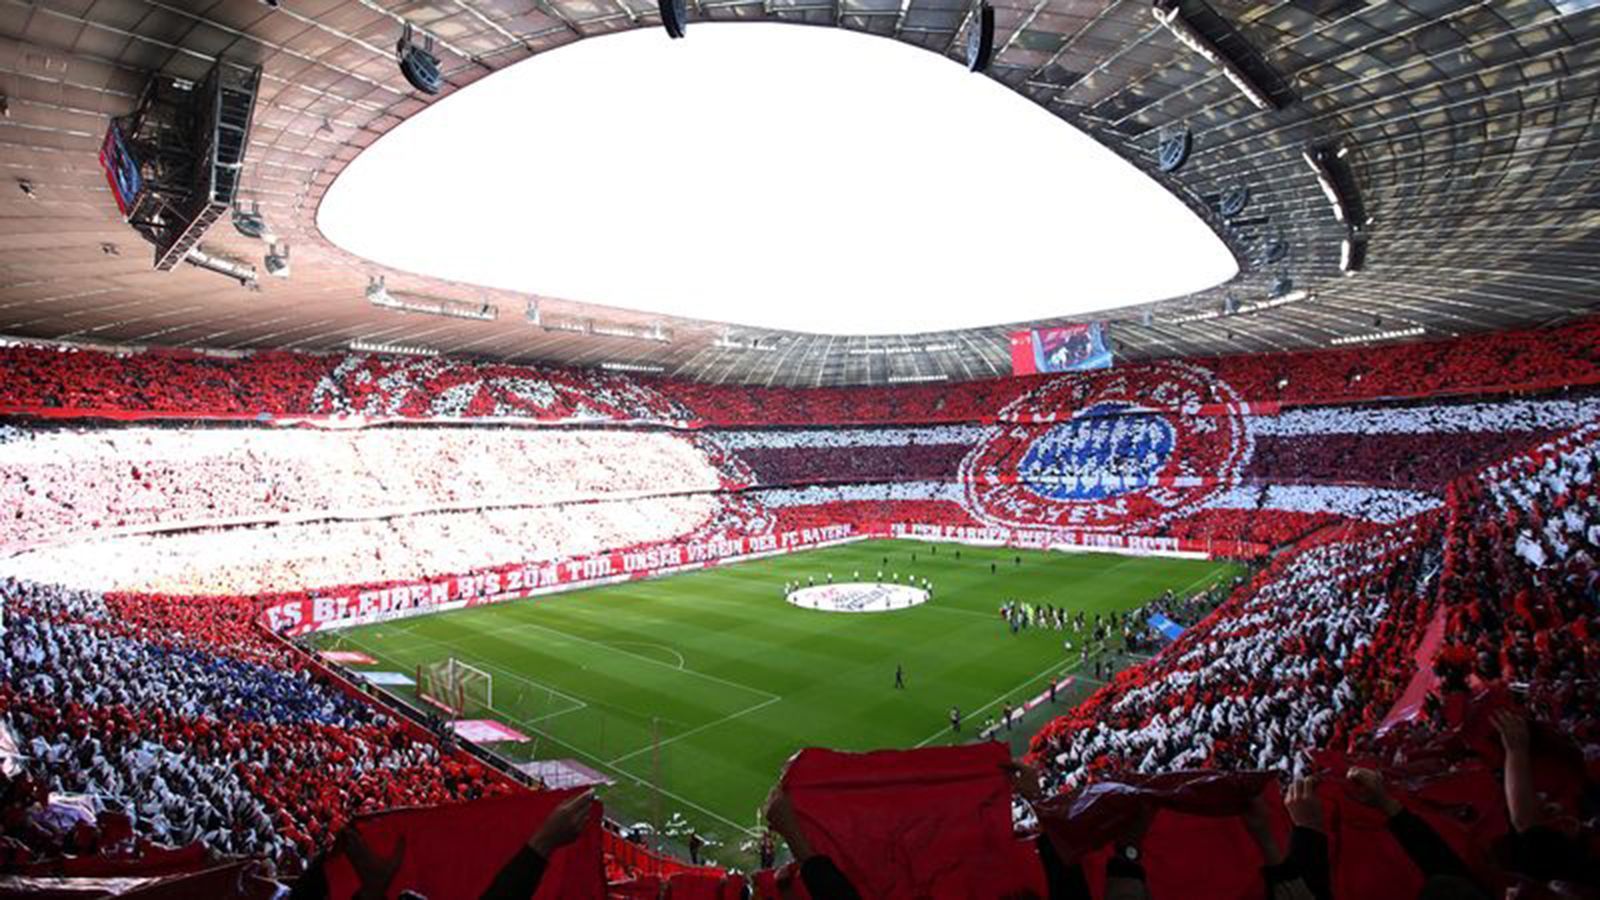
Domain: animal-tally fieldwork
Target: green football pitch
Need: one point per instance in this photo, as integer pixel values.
(692, 690)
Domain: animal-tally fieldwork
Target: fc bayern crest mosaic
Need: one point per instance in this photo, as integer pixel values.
(1122, 451)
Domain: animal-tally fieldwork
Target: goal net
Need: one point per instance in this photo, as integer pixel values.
(456, 686)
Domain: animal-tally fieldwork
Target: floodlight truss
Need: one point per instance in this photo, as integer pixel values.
(1233, 308)
(1168, 13)
(398, 349)
(1338, 184)
(244, 273)
(378, 294)
(656, 334)
(1392, 334)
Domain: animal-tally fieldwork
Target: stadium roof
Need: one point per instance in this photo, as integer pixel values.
(1456, 140)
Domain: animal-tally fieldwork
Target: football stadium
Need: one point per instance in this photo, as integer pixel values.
(1065, 449)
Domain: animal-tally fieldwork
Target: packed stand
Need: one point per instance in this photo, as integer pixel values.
(436, 387)
(242, 755)
(1541, 359)
(1522, 585)
(288, 384)
(57, 482)
(175, 382)
(1295, 661)
(262, 559)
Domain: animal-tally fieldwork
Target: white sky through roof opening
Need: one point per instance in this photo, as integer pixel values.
(810, 179)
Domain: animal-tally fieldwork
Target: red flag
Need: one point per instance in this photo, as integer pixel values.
(1463, 804)
(1197, 823)
(694, 886)
(455, 851)
(645, 887)
(1092, 818)
(913, 823)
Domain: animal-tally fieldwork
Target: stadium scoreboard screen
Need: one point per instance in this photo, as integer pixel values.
(1064, 348)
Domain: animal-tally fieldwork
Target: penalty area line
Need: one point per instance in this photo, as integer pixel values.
(696, 730)
(621, 773)
(942, 732)
(655, 662)
(574, 703)
(624, 775)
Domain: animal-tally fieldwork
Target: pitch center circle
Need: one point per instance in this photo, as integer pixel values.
(858, 597)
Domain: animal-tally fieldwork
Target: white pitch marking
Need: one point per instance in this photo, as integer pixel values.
(941, 733)
(696, 730)
(681, 662)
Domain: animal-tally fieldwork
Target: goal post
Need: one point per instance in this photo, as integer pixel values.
(475, 686)
(457, 687)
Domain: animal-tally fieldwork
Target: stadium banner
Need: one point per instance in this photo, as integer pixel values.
(1067, 541)
(1169, 629)
(341, 607)
(1063, 348)
(122, 169)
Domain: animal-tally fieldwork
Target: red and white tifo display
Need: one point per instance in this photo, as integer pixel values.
(858, 597)
(1427, 516)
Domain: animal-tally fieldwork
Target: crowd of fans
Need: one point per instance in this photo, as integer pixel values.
(269, 559)
(130, 731)
(1295, 661)
(1409, 567)
(1522, 585)
(61, 481)
(436, 387)
(289, 384)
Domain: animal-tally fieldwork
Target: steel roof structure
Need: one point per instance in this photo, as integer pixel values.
(1455, 141)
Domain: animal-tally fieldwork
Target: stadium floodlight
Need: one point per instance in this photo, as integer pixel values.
(655, 333)
(980, 38)
(277, 260)
(1170, 15)
(632, 367)
(916, 379)
(726, 341)
(1233, 201)
(1175, 145)
(401, 349)
(243, 273)
(417, 62)
(1274, 249)
(378, 294)
(674, 17)
(1352, 253)
(1283, 299)
(1232, 307)
(1332, 170)
(251, 223)
(903, 349)
(1201, 316)
(1314, 159)
(1369, 337)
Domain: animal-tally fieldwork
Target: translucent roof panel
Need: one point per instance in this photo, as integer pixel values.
(772, 176)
